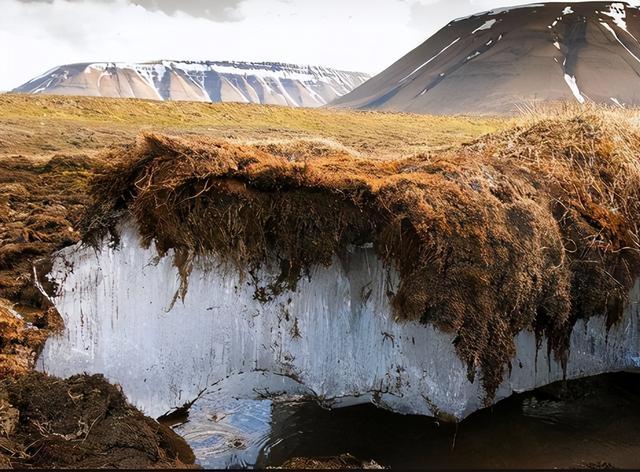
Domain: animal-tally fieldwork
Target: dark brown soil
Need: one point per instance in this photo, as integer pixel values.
(40, 203)
(19, 341)
(344, 461)
(83, 422)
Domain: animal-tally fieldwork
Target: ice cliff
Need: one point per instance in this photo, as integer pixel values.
(335, 335)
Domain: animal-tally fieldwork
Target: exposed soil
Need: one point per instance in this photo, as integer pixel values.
(41, 199)
(40, 203)
(529, 229)
(82, 422)
(20, 341)
(344, 461)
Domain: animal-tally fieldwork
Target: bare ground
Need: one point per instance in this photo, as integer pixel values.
(98, 428)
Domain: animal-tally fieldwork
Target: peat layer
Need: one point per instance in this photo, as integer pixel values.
(529, 229)
(82, 423)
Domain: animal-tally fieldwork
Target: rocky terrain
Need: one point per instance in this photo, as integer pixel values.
(507, 59)
(244, 82)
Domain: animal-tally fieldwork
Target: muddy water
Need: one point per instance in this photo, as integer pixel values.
(586, 422)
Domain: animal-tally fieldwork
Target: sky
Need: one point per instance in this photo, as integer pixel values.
(358, 35)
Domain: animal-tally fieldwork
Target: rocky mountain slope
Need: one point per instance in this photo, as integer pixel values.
(248, 82)
(500, 60)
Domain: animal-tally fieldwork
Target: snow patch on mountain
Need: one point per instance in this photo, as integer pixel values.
(486, 26)
(430, 60)
(618, 14)
(226, 81)
(571, 82)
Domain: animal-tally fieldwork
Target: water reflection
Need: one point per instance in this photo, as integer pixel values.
(589, 421)
(227, 432)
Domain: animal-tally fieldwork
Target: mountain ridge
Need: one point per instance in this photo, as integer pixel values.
(271, 83)
(496, 61)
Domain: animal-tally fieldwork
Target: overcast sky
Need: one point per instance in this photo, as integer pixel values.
(362, 35)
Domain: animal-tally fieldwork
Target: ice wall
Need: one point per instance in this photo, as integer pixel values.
(335, 335)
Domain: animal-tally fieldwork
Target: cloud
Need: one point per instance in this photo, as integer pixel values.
(216, 10)
(219, 10)
(430, 15)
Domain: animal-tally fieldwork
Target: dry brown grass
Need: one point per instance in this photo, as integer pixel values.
(33, 124)
(531, 228)
(20, 343)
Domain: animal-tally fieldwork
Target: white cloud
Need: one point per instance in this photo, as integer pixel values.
(220, 10)
(223, 10)
(365, 35)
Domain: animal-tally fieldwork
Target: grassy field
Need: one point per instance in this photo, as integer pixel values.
(45, 124)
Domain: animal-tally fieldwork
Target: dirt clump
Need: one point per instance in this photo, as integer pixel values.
(40, 203)
(20, 340)
(528, 229)
(341, 462)
(98, 429)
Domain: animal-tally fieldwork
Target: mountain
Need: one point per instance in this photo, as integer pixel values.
(497, 61)
(250, 82)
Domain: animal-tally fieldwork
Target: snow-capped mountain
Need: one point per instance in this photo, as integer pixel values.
(248, 82)
(497, 61)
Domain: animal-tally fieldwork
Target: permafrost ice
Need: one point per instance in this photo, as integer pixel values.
(334, 338)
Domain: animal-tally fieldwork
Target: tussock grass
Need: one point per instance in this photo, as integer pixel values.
(528, 229)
